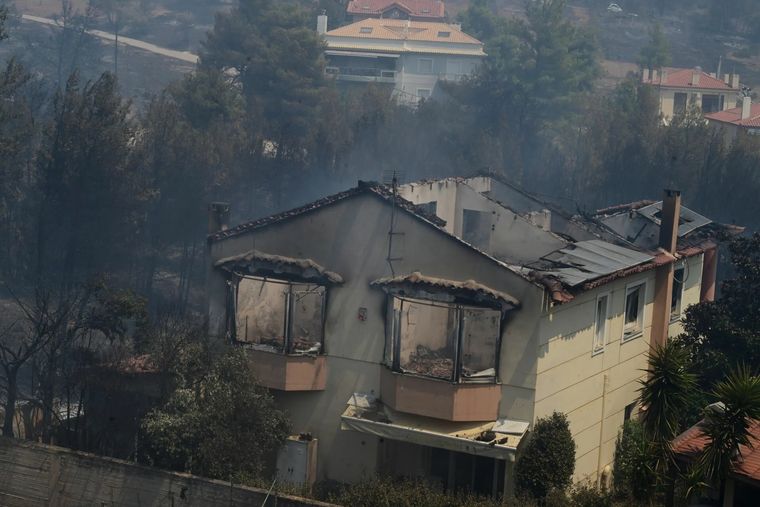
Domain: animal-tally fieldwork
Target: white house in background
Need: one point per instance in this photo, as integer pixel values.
(408, 57)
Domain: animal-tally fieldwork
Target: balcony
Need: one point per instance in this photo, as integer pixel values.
(362, 74)
(459, 402)
(289, 372)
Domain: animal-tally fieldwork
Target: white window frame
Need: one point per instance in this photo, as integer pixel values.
(675, 316)
(429, 93)
(594, 350)
(629, 335)
(419, 65)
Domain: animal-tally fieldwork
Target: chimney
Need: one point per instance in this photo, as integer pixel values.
(322, 23)
(726, 78)
(746, 107)
(695, 75)
(654, 76)
(218, 217)
(669, 219)
(663, 76)
(733, 81)
(646, 76)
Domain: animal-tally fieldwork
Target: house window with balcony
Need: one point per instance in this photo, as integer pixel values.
(444, 341)
(424, 65)
(679, 103)
(279, 316)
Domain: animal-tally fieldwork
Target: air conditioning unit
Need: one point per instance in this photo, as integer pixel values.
(297, 461)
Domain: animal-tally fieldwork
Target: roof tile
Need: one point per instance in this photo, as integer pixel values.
(682, 78)
(418, 8)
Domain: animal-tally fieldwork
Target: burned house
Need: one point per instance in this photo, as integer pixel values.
(420, 331)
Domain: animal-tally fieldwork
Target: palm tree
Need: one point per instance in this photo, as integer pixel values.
(726, 424)
(666, 395)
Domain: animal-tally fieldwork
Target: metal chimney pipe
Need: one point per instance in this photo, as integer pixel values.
(218, 217)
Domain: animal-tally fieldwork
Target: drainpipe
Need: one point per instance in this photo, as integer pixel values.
(663, 287)
(709, 272)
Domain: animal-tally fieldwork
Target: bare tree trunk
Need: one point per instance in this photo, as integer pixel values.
(10, 401)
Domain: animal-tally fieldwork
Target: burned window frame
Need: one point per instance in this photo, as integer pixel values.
(291, 284)
(392, 347)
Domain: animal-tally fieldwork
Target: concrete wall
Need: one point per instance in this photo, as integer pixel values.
(594, 389)
(42, 475)
(351, 238)
(512, 236)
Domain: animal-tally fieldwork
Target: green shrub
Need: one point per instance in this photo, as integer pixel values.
(633, 475)
(387, 492)
(548, 460)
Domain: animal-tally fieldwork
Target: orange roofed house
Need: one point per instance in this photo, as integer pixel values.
(680, 88)
(742, 487)
(739, 119)
(415, 10)
(410, 58)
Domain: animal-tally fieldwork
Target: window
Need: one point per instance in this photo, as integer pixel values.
(424, 65)
(279, 316)
(476, 228)
(675, 300)
(442, 340)
(365, 29)
(634, 311)
(710, 103)
(679, 103)
(423, 93)
(600, 324)
(444, 34)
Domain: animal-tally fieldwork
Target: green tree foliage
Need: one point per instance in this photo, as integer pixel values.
(548, 461)
(86, 218)
(722, 334)
(537, 70)
(727, 425)
(3, 18)
(633, 476)
(656, 53)
(383, 492)
(225, 427)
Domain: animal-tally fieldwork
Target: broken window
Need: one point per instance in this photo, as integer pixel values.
(443, 341)
(634, 311)
(675, 300)
(476, 228)
(280, 316)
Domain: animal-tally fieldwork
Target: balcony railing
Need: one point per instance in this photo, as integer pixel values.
(362, 74)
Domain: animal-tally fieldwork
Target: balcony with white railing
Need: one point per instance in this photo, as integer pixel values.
(362, 74)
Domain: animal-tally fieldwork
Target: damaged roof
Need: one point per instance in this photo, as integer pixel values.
(372, 188)
(254, 262)
(586, 260)
(469, 288)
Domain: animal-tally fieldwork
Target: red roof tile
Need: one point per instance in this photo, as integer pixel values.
(682, 78)
(692, 441)
(734, 116)
(416, 8)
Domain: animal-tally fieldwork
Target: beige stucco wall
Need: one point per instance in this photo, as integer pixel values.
(667, 99)
(594, 389)
(350, 237)
(546, 360)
